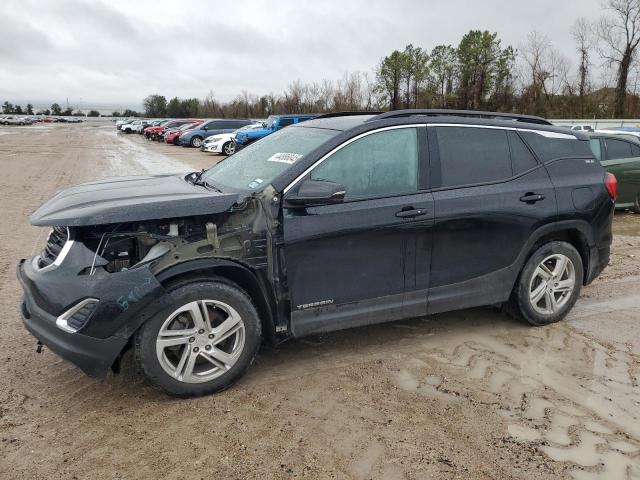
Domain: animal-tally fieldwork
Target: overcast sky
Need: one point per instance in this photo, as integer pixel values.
(117, 52)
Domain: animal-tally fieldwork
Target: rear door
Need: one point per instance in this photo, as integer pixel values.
(490, 194)
(353, 263)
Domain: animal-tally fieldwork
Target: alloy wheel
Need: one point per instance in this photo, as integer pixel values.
(200, 341)
(196, 142)
(229, 148)
(552, 284)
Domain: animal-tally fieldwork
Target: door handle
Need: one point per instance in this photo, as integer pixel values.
(411, 212)
(530, 197)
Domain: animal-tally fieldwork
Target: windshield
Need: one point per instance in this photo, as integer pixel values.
(188, 126)
(259, 163)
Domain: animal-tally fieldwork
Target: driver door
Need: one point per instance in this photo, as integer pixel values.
(352, 263)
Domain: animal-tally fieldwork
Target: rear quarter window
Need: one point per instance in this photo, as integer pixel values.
(551, 148)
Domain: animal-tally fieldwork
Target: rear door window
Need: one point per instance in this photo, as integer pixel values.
(471, 155)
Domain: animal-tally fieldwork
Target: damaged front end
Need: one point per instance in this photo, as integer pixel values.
(93, 286)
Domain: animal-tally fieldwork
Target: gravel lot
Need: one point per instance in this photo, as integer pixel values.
(470, 394)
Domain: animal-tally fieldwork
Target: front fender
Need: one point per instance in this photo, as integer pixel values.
(240, 274)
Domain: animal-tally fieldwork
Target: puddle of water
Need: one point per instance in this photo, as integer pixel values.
(130, 158)
(523, 434)
(559, 432)
(584, 454)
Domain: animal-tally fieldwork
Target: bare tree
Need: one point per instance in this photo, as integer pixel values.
(582, 33)
(620, 34)
(545, 73)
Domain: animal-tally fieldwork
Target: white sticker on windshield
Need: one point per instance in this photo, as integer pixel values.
(256, 183)
(288, 158)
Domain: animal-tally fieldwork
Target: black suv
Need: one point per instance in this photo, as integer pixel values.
(342, 221)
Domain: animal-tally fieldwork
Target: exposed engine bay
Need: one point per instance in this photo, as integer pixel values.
(123, 246)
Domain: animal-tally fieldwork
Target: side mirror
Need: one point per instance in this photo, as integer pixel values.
(317, 192)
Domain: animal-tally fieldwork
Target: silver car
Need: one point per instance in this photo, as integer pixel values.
(13, 120)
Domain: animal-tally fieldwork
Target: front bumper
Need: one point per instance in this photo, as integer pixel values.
(213, 147)
(125, 300)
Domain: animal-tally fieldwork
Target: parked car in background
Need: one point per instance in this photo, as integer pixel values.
(224, 142)
(131, 127)
(120, 125)
(582, 128)
(156, 132)
(273, 124)
(171, 136)
(621, 157)
(195, 137)
(15, 120)
(339, 222)
(143, 124)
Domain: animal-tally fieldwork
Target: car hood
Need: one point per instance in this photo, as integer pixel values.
(131, 199)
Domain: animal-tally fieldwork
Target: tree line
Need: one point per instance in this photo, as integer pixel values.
(480, 72)
(56, 109)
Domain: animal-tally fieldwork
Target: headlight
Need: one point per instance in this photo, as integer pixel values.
(213, 140)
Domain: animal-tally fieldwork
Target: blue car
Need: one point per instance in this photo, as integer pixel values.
(273, 123)
(195, 137)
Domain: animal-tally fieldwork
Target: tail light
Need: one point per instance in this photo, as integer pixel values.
(612, 185)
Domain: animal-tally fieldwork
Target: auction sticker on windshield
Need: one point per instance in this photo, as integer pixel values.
(288, 158)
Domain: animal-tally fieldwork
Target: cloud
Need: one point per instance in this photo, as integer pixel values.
(119, 51)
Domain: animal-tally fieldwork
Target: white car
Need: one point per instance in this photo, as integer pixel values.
(225, 142)
(221, 143)
(130, 127)
(582, 128)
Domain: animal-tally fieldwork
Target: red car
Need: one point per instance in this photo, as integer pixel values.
(172, 135)
(154, 132)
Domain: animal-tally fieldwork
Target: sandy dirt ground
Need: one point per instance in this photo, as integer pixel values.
(467, 395)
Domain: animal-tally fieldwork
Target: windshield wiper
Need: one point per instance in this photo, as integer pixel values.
(196, 179)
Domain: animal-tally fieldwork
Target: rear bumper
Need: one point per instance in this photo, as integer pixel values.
(598, 260)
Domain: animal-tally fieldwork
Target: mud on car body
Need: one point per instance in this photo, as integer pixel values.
(342, 221)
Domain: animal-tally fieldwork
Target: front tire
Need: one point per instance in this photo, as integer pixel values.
(203, 341)
(229, 148)
(549, 284)
(196, 142)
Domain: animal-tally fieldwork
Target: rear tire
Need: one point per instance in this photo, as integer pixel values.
(549, 284)
(636, 205)
(219, 338)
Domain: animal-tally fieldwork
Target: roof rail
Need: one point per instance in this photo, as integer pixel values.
(461, 113)
(345, 114)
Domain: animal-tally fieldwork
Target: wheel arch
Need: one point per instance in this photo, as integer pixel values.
(577, 233)
(243, 276)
